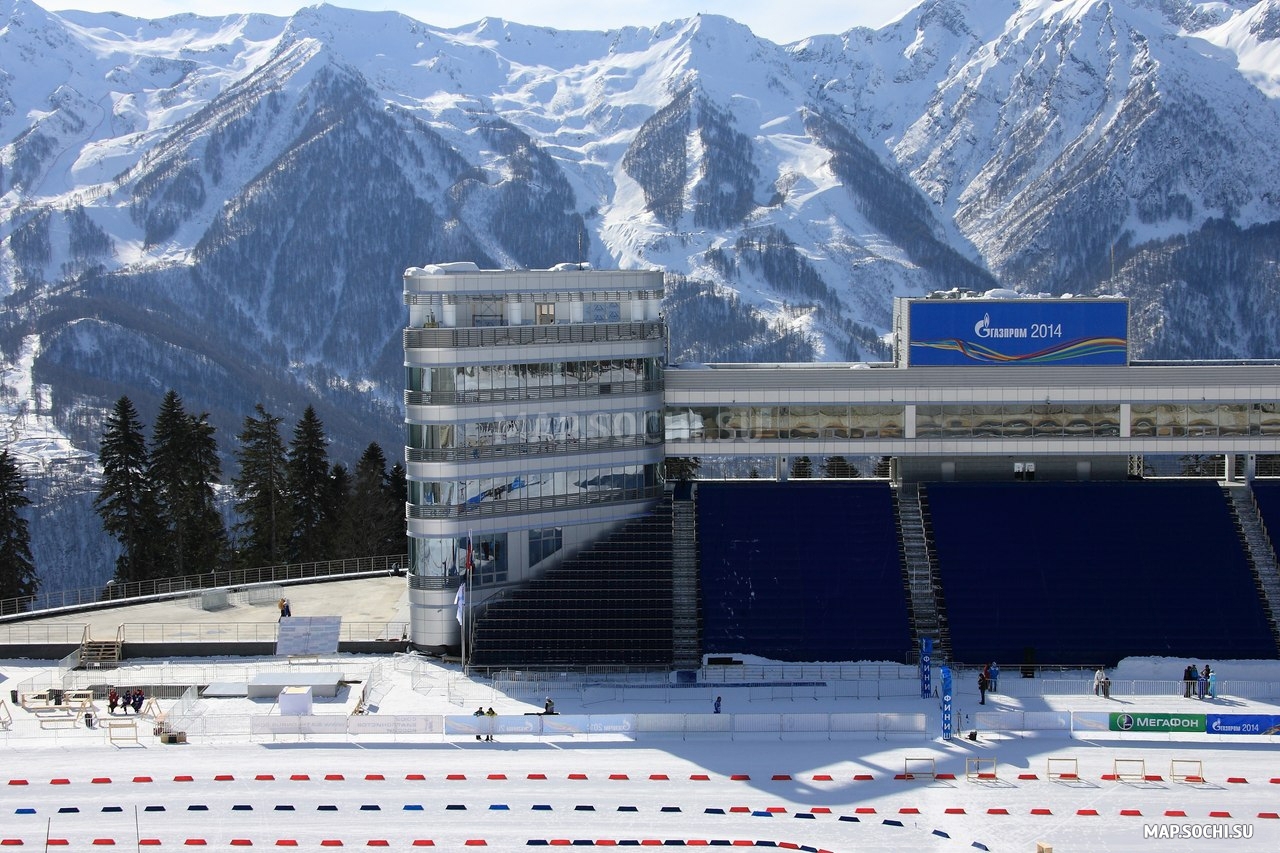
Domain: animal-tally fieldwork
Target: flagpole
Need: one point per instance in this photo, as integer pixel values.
(466, 601)
(466, 619)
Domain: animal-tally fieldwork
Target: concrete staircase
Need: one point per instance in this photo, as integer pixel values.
(1258, 549)
(920, 572)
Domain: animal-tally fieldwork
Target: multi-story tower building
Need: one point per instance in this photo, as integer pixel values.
(533, 423)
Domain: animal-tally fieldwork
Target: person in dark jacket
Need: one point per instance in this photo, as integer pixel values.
(1188, 680)
(983, 683)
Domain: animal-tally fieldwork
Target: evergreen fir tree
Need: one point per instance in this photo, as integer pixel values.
(372, 512)
(184, 467)
(310, 486)
(126, 502)
(681, 468)
(394, 538)
(337, 532)
(262, 497)
(838, 467)
(206, 549)
(17, 570)
(168, 470)
(801, 468)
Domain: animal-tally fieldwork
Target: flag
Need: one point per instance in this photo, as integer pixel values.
(470, 562)
(461, 600)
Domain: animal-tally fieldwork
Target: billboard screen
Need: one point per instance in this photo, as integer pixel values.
(1018, 331)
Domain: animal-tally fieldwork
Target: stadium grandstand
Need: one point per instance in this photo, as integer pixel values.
(1013, 485)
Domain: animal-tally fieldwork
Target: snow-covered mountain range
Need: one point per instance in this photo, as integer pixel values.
(224, 206)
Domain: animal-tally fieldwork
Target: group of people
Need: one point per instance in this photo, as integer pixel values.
(129, 699)
(481, 712)
(988, 680)
(1200, 683)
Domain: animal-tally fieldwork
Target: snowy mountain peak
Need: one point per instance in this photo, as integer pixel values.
(230, 200)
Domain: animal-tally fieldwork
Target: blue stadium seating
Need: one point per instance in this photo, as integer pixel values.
(1267, 495)
(1089, 573)
(801, 571)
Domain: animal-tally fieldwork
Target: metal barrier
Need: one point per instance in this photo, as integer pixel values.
(116, 591)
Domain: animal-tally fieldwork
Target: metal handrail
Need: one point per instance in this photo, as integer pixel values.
(117, 591)
(525, 393)
(528, 448)
(523, 505)
(563, 333)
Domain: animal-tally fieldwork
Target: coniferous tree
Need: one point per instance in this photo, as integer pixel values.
(801, 468)
(397, 492)
(337, 531)
(126, 502)
(17, 570)
(838, 467)
(262, 497)
(184, 467)
(680, 468)
(311, 488)
(207, 546)
(372, 512)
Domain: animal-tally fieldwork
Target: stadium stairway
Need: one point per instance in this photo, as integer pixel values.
(926, 604)
(1259, 551)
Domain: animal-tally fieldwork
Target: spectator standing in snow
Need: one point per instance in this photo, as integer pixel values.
(994, 676)
(983, 683)
(1202, 681)
(716, 706)
(1213, 684)
(1188, 680)
(1098, 678)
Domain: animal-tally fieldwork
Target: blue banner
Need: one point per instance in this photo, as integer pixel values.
(926, 667)
(969, 332)
(947, 727)
(1242, 724)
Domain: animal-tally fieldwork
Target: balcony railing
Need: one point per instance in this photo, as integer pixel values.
(516, 506)
(530, 448)
(509, 336)
(500, 395)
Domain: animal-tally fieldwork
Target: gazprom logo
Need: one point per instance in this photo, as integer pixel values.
(983, 329)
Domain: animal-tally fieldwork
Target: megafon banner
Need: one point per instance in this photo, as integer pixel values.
(968, 332)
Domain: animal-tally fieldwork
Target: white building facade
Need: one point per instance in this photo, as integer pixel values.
(533, 424)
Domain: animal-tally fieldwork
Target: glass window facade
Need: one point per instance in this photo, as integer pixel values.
(447, 557)
(533, 491)
(1198, 420)
(1030, 420)
(482, 383)
(730, 423)
(543, 543)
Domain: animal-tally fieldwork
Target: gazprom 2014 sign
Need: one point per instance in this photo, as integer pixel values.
(968, 332)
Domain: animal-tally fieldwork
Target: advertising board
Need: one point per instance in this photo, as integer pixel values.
(971, 332)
